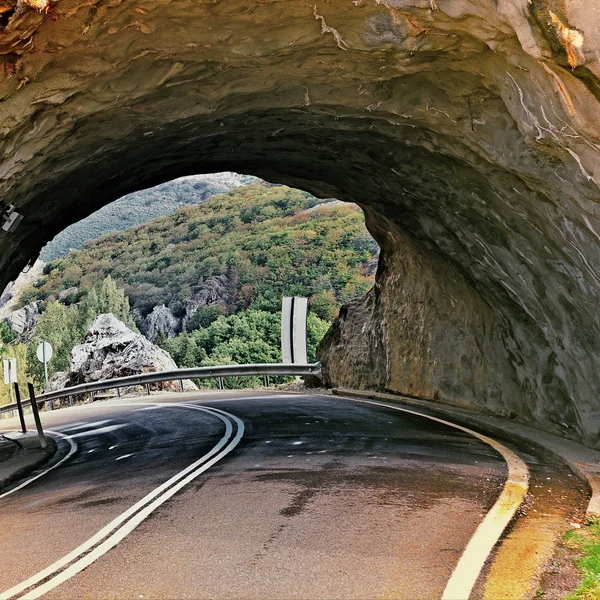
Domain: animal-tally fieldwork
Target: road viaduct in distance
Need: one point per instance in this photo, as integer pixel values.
(468, 132)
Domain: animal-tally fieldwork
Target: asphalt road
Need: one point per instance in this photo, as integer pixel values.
(321, 498)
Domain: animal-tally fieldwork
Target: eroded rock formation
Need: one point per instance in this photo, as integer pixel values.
(469, 130)
(24, 321)
(161, 321)
(9, 299)
(215, 291)
(111, 350)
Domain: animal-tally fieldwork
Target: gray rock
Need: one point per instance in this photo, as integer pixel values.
(112, 350)
(24, 320)
(10, 296)
(72, 290)
(216, 290)
(160, 321)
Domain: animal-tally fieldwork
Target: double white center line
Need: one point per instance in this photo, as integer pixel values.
(110, 535)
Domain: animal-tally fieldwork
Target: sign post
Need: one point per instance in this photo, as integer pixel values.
(44, 353)
(293, 330)
(10, 375)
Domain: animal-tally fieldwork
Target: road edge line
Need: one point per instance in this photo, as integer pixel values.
(72, 450)
(120, 520)
(137, 519)
(489, 531)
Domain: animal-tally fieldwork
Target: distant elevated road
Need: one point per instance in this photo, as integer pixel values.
(247, 496)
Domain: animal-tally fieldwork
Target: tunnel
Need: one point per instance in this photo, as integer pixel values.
(467, 130)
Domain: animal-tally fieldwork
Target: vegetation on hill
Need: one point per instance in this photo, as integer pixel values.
(269, 241)
(139, 207)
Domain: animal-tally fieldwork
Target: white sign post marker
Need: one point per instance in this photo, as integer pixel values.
(299, 330)
(10, 375)
(287, 353)
(293, 330)
(44, 353)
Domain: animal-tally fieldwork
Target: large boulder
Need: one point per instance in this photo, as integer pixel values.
(25, 320)
(160, 321)
(113, 350)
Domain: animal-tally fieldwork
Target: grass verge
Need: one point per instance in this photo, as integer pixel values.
(586, 541)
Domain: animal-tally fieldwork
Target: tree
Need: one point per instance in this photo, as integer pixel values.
(58, 326)
(112, 299)
(7, 335)
(324, 304)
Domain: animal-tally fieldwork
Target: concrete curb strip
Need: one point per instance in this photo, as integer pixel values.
(25, 459)
(582, 460)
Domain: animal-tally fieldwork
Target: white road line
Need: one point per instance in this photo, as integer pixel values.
(99, 430)
(124, 456)
(495, 522)
(110, 535)
(82, 425)
(72, 451)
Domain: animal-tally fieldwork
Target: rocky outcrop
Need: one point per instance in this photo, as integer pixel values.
(214, 291)
(468, 129)
(24, 320)
(160, 321)
(112, 350)
(68, 292)
(9, 298)
(422, 331)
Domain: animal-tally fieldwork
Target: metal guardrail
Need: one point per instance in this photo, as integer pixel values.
(261, 370)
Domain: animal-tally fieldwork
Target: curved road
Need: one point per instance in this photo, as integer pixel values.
(308, 497)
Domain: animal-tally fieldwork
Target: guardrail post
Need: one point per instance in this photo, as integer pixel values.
(147, 389)
(181, 384)
(71, 401)
(20, 408)
(36, 416)
(118, 392)
(221, 383)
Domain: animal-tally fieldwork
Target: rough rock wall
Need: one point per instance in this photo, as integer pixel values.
(421, 331)
(472, 126)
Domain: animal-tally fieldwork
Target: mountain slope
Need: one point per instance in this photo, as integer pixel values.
(139, 207)
(262, 241)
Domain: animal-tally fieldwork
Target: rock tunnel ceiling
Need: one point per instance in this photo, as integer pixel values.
(468, 131)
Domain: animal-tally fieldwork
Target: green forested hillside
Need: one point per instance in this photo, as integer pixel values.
(263, 241)
(140, 207)
(269, 241)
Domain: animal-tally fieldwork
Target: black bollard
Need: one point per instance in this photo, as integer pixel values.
(20, 408)
(36, 416)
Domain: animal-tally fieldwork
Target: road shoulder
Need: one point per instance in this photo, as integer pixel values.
(20, 454)
(532, 540)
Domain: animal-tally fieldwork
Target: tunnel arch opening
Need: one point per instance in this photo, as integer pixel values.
(469, 138)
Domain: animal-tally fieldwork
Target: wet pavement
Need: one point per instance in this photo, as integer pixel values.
(321, 499)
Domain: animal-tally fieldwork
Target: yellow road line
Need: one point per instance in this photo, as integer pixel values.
(488, 533)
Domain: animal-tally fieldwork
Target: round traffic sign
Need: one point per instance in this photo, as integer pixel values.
(44, 352)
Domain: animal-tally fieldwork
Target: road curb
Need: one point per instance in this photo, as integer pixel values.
(583, 461)
(27, 458)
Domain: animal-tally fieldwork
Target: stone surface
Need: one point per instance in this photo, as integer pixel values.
(9, 299)
(65, 293)
(111, 350)
(24, 320)
(160, 321)
(468, 129)
(214, 291)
